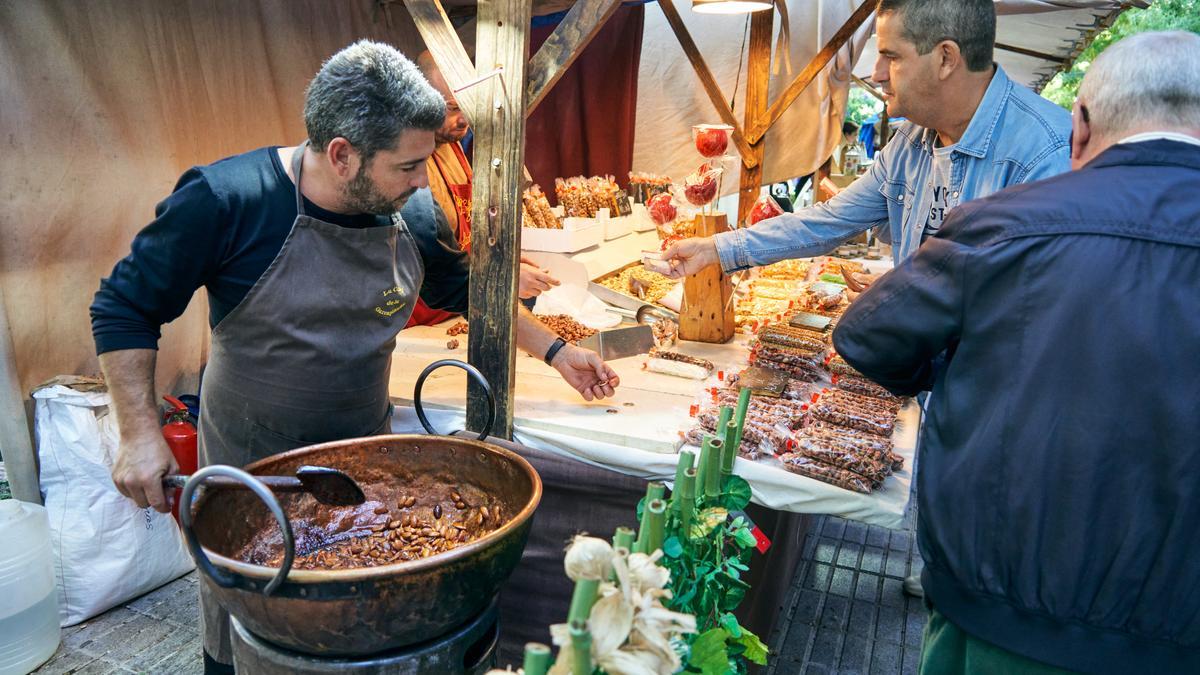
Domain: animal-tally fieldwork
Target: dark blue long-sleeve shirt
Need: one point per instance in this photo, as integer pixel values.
(220, 229)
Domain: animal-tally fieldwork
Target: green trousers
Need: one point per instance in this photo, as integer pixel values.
(947, 650)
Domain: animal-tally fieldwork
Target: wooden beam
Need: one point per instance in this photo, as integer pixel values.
(565, 44)
(1035, 54)
(758, 80)
(452, 59)
(502, 40)
(813, 69)
(866, 86)
(708, 81)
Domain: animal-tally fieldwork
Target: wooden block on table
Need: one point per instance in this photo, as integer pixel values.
(707, 314)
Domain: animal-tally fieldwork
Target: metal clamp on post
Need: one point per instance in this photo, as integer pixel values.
(474, 374)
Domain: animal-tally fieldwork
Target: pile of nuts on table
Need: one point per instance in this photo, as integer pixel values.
(567, 328)
(402, 534)
(640, 283)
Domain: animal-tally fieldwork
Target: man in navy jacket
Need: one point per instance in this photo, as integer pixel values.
(1058, 327)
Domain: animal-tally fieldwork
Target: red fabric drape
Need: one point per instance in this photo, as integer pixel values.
(584, 127)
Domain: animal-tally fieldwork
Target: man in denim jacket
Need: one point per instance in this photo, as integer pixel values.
(971, 131)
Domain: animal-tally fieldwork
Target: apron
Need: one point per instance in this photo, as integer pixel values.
(455, 176)
(304, 358)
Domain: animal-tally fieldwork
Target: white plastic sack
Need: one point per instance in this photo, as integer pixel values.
(106, 549)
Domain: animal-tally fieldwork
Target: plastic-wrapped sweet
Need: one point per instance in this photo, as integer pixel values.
(765, 207)
(700, 188)
(662, 209)
(712, 140)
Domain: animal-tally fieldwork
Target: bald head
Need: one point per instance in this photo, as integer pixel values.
(455, 127)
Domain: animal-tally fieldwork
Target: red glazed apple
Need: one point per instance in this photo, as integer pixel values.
(711, 140)
(700, 187)
(764, 208)
(662, 210)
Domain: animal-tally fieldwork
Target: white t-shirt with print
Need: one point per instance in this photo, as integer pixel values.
(939, 181)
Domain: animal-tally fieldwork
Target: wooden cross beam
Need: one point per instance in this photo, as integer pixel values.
(448, 52)
(758, 79)
(811, 71)
(708, 81)
(565, 44)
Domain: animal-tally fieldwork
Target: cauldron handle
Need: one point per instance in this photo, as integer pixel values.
(474, 374)
(221, 577)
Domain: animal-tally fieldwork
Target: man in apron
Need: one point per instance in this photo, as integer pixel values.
(310, 275)
(449, 174)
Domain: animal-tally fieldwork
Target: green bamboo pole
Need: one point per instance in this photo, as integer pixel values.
(581, 649)
(582, 599)
(702, 467)
(657, 511)
(686, 460)
(730, 450)
(687, 502)
(655, 490)
(537, 658)
(640, 545)
(712, 474)
(740, 419)
(623, 538)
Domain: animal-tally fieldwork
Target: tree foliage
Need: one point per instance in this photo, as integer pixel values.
(1161, 15)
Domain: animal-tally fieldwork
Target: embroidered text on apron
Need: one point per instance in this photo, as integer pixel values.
(304, 358)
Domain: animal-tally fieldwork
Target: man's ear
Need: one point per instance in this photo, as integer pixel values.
(342, 157)
(949, 58)
(1081, 136)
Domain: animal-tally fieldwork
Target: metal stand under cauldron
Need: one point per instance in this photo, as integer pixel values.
(436, 614)
(470, 650)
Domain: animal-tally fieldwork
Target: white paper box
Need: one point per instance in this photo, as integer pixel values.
(642, 222)
(576, 234)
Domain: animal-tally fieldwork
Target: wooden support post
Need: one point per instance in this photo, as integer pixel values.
(565, 44)
(758, 78)
(708, 81)
(811, 71)
(502, 40)
(452, 59)
(820, 194)
(707, 314)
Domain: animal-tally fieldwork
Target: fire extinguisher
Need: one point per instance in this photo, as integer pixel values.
(180, 434)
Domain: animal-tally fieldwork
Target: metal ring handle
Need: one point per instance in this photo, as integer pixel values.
(472, 373)
(221, 577)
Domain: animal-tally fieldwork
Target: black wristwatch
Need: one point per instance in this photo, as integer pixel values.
(557, 345)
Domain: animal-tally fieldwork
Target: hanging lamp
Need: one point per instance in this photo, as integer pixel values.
(730, 6)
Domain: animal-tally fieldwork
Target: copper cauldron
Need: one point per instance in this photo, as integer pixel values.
(362, 610)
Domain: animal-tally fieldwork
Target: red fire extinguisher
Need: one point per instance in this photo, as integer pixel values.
(180, 434)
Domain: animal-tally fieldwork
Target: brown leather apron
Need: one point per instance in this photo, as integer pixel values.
(304, 358)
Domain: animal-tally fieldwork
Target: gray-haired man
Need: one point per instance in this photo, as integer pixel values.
(310, 276)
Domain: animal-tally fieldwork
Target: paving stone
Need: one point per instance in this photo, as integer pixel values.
(810, 544)
(862, 619)
(833, 527)
(795, 645)
(855, 532)
(872, 560)
(892, 594)
(867, 587)
(890, 626)
(808, 607)
(160, 647)
(914, 627)
(912, 659)
(66, 661)
(817, 577)
(187, 661)
(826, 550)
(815, 669)
(97, 627)
(897, 564)
(901, 540)
(99, 667)
(825, 649)
(885, 658)
(842, 582)
(856, 655)
(848, 555)
(878, 536)
(834, 613)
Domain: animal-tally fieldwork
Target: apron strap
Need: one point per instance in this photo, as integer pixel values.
(297, 168)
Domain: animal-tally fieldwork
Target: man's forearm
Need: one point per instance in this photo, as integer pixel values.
(130, 377)
(533, 336)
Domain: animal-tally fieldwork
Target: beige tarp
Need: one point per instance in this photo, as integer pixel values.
(104, 104)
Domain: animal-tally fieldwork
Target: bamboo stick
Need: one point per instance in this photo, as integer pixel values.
(686, 460)
(623, 538)
(582, 599)
(657, 512)
(730, 451)
(687, 502)
(655, 490)
(740, 418)
(712, 473)
(702, 467)
(581, 649)
(537, 658)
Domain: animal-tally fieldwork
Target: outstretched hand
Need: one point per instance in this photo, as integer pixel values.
(690, 256)
(586, 372)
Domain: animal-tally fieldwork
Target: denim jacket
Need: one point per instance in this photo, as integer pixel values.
(1015, 136)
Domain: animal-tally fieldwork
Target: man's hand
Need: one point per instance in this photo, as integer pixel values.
(586, 372)
(138, 472)
(690, 256)
(533, 280)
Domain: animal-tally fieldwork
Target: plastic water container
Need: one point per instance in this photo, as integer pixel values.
(29, 632)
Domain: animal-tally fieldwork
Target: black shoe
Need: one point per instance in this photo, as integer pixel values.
(215, 667)
(912, 586)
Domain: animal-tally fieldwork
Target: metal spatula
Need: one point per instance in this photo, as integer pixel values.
(328, 486)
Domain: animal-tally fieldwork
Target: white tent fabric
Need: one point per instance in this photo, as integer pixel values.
(671, 100)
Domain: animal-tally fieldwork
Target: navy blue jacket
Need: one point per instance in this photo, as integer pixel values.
(1059, 484)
